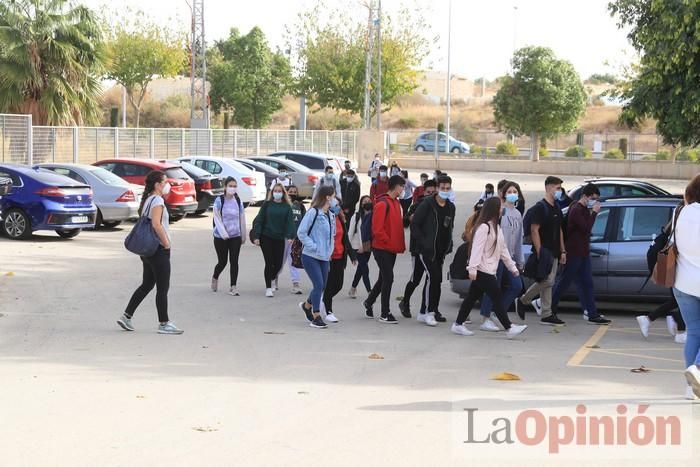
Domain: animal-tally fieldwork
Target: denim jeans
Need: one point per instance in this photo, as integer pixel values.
(515, 286)
(578, 270)
(690, 309)
(317, 271)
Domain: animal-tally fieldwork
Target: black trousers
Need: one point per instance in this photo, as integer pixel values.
(432, 289)
(362, 271)
(414, 281)
(156, 273)
(273, 253)
(484, 284)
(227, 250)
(669, 308)
(405, 204)
(385, 260)
(334, 284)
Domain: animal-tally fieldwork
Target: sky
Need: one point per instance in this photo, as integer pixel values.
(484, 33)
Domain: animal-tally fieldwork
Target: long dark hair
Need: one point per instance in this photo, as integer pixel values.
(490, 212)
(323, 192)
(361, 210)
(153, 177)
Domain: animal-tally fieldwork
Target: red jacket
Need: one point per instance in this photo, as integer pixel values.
(379, 187)
(338, 247)
(387, 225)
(418, 192)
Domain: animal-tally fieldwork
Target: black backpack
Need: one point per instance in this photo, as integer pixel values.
(458, 267)
(527, 219)
(223, 200)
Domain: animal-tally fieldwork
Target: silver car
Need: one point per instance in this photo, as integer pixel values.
(116, 199)
(304, 178)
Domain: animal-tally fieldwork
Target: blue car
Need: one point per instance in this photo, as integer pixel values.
(43, 200)
(426, 142)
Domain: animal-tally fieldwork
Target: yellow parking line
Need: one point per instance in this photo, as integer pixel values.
(586, 348)
(624, 354)
(644, 349)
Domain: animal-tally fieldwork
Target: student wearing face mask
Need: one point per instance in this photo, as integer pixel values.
(339, 260)
(374, 166)
(329, 179)
(406, 198)
(298, 212)
(381, 185)
(229, 234)
(418, 192)
(317, 234)
(156, 268)
(273, 224)
(358, 242)
(282, 179)
(350, 191)
(394, 169)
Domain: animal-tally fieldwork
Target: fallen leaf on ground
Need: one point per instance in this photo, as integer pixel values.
(505, 376)
(140, 397)
(641, 369)
(204, 429)
(10, 274)
(555, 331)
(376, 356)
(302, 392)
(277, 333)
(592, 346)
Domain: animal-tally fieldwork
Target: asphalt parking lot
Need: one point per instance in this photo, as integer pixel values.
(250, 383)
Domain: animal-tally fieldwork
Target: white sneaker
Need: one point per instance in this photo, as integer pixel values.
(430, 319)
(680, 338)
(537, 305)
(671, 325)
(352, 293)
(489, 326)
(420, 317)
(330, 317)
(269, 293)
(234, 291)
(515, 330)
(461, 330)
(169, 328)
(296, 289)
(692, 375)
(689, 395)
(497, 322)
(585, 315)
(276, 285)
(644, 323)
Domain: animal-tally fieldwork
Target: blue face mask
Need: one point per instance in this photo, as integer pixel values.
(590, 203)
(335, 209)
(444, 194)
(558, 195)
(277, 195)
(334, 202)
(512, 198)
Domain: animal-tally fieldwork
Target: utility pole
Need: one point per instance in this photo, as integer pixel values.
(199, 111)
(123, 106)
(449, 78)
(373, 65)
(379, 65)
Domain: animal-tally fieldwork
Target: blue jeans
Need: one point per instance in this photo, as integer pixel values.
(578, 270)
(317, 271)
(690, 309)
(515, 286)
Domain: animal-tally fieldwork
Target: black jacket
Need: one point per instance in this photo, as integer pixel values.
(424, 228)
(538, 268)
(351, 195)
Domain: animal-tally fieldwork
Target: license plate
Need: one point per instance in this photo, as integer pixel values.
(189, 198)
(79, 219)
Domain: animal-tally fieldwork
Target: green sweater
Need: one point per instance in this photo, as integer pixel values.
(277, 223)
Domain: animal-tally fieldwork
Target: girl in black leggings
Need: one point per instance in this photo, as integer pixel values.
(229, 234)
(273, 224)
(355, 236)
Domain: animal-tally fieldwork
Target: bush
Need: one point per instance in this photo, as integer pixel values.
(614, 153)
(687, 155)
(407, 122)
(506, 147)
(623, 145)
(649, 158)
(662, 155)
(544, 152)
(476, 150)
(578, 151)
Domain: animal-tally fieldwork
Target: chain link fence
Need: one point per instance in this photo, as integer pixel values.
(15, 138)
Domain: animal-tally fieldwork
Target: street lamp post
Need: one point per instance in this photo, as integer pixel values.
(449, 79)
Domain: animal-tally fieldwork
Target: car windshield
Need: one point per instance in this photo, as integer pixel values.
(194, 170)
(107, 177)
(177, 173)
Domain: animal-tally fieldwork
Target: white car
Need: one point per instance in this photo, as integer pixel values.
(251, 184)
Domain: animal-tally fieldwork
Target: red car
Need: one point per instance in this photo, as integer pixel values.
(181, 200)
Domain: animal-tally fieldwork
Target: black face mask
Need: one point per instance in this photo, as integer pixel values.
(294, 197)
(367, 207)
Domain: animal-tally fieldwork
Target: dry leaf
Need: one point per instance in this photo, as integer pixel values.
(140, 397)
(555, 331)
(302, 392)
(276, 333)
(593, 346)
(204, 429)
(641, 369)
(505, 376)
(10, 274)
(376, 356)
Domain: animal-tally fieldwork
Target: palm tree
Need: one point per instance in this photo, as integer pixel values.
(51, 59)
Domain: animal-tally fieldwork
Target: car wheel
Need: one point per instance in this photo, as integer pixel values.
(17, 225)
(456, 151)
(200, 212)
(68, 233)
(420, 148)
(111, 224)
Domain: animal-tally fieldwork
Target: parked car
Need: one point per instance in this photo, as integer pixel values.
(116, 199)
(270, 172)
(251, 184)
(207, 186)
(304, 178)
(316, 162)
(42, 200)
(182, 197)
(619, 187)
(426, 142)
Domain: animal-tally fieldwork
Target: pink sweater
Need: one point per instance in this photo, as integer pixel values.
(484, 257)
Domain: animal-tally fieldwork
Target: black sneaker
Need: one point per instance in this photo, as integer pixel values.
(369, 313)
(439, 318)
(552, 320)
(307, 311)
(519, 309)
(388, 319)
(599, 320)
(405, 309)
(318, 323)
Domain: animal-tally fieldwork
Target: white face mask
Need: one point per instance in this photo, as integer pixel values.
(277, 195)
(166, 188)
(283, 174)
(230, 190)
(382, 174)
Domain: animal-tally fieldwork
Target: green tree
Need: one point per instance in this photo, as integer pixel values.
(248, 78)
(51, 59)
(139, 51)
(543, 98)
(664, 84)
(330, 51)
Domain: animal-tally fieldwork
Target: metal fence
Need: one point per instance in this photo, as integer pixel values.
(20, 142)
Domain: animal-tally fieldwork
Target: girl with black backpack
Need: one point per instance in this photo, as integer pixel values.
(357, 241)
(229, 234)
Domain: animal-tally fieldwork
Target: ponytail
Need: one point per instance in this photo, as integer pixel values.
(153, 177)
